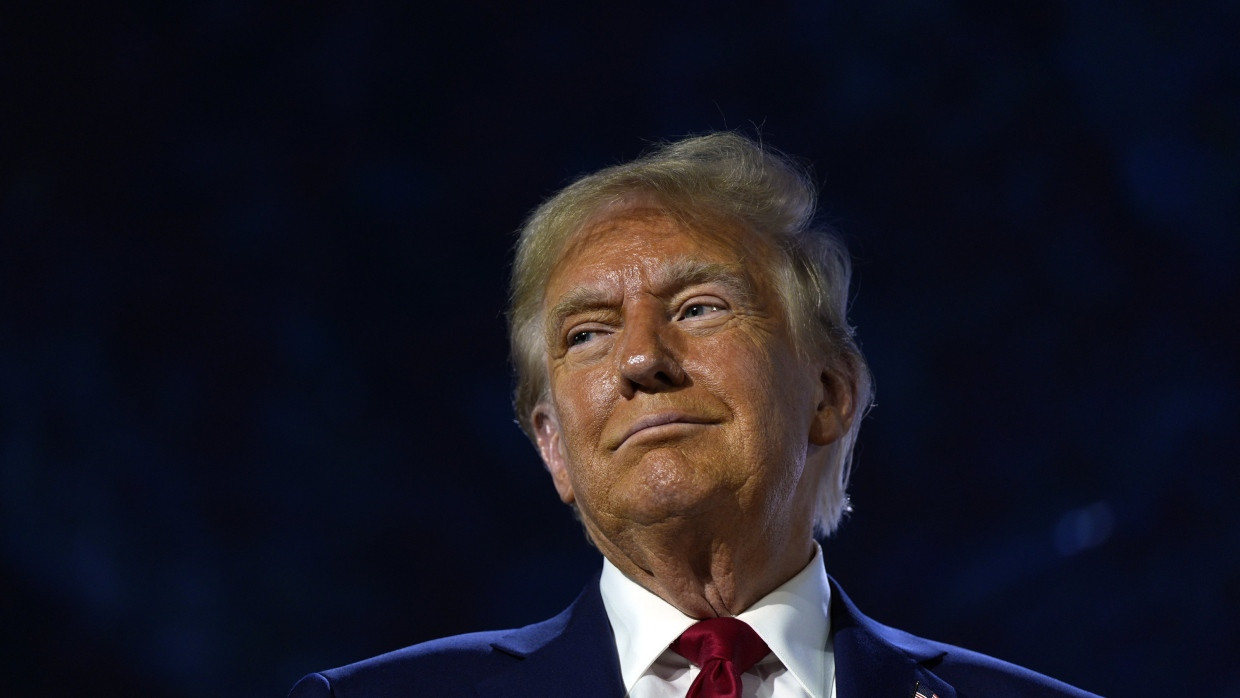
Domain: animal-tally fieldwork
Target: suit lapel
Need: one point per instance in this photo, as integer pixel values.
(874, 660)
(572, 653)
(575, 652)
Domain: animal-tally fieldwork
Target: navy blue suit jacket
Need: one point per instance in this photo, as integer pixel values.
(574, 654)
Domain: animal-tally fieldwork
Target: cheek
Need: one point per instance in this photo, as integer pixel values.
(749, 372)
(583, 409)
(768, 389)
(599, 391)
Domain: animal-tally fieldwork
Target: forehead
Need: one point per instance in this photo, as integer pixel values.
(628, 245)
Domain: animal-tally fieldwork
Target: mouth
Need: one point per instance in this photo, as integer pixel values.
(655, 422)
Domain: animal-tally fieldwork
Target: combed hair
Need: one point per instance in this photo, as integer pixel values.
(715, 176)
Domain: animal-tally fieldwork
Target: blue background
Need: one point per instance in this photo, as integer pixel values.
(253, 256)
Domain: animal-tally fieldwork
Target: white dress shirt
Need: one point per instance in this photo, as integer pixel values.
(793, 620)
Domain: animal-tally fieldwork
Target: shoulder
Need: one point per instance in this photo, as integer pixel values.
(976, 674)
(869, 654)
(446, 667)
(450, 666)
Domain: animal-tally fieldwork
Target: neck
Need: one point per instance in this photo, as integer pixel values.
(705, 576)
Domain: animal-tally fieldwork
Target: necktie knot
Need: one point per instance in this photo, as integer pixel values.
(724, 648)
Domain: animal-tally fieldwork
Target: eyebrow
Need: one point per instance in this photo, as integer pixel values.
(676, 275)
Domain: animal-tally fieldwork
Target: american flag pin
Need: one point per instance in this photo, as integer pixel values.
(919, 692)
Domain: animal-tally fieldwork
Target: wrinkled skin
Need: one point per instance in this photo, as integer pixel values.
(682, 422)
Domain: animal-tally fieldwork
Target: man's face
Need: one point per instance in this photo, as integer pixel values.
(676, 392)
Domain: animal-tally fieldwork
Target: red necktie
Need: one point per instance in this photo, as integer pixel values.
(725, 648)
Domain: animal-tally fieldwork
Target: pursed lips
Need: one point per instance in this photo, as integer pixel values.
(657, 420)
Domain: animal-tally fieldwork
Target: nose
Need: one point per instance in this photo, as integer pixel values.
(646, 363)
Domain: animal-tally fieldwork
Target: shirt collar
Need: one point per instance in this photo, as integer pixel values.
(793, 620)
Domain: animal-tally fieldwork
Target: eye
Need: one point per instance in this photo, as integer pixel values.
(581, 337)
(695, 310)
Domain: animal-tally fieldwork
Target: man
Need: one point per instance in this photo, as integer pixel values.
(685, 368)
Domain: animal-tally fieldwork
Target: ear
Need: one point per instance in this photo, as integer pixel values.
(551, 448)
(835, 409)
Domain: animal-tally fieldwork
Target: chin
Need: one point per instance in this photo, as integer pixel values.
(665, 505)
(663, 485)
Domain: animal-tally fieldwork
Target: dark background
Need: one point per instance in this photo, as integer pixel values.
(253, 257)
